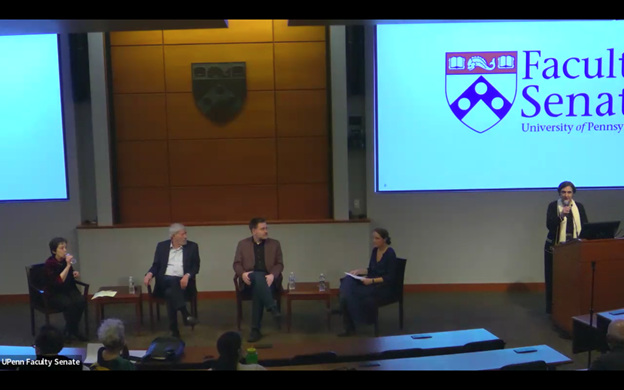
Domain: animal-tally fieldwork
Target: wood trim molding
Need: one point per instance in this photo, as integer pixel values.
(224, 223)
(476, 287)
(410, 288)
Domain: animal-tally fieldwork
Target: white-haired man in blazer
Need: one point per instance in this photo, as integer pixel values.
(176, 263)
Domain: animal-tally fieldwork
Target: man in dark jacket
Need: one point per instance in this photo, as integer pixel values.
(176, 262)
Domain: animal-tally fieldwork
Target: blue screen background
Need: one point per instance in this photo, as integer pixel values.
(32, 151)
(421, 145)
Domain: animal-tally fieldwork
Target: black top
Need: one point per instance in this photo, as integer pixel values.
(612, 361)
(259, 264)
(52, 273)
(190, 259)
(553, 221)
(569, 227)
(384, 268)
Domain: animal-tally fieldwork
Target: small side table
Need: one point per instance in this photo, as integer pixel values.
(123, 296)
(308, 292)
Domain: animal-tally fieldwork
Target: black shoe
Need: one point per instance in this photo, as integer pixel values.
(191, 321)
(254, 336)
(347, 333)
(80, 336)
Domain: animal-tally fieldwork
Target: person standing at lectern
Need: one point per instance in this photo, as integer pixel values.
(564, 219)
(176, 263)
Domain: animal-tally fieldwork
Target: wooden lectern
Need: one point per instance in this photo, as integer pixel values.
(572, 279)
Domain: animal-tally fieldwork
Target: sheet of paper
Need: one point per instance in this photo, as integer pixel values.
(93, 348)
(355, 276)
(104, 294)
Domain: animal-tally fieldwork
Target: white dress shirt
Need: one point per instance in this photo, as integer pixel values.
(175, 266)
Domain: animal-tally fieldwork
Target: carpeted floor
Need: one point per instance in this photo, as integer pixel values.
(518, 318)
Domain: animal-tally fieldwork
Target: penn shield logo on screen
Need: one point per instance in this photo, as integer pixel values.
(481, 87)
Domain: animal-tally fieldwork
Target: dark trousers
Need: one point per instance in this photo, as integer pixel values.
(174, 296)
(72, 303)
(261, 297)
(357, 302)
(548, 279)
(347, 320)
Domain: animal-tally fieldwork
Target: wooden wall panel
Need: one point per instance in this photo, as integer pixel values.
(301, 113)
(304, 201)
(133, 38)
(256, 120)
(302, 160)
(238, 31)
(173, 164)
(216, 203)
(259, 59)
(138, 69)
(284, 33)
(145, 205)
(222, 162)
(300, 65)
(140, 117)
(142, 164)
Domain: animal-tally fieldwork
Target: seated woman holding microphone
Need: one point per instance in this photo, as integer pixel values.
(60, 287)
(357, 297)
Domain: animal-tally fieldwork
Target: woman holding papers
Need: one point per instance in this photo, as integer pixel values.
(362, 287)
(60, 287)
(564, 220)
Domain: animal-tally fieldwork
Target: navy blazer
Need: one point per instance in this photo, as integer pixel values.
(190, 261)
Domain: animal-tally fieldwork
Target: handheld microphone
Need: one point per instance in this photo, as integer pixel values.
(566, 203)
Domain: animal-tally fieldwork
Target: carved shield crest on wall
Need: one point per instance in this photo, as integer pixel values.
(219, 89)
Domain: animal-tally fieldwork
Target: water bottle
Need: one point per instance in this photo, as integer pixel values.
(252, 356)
(322, 285)
(131, 285)
(73, 260)
(291, 281)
